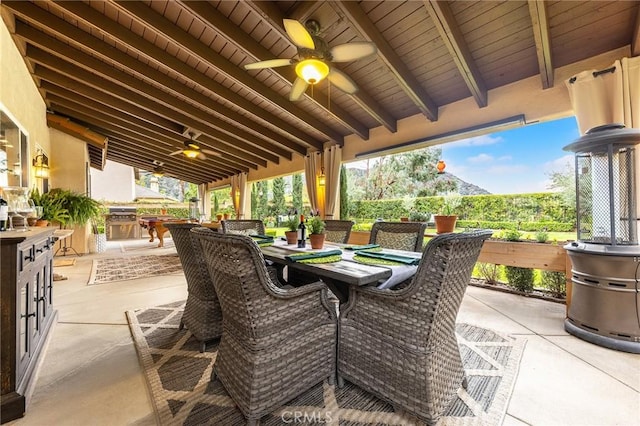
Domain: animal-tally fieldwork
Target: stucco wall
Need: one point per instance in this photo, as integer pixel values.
(115, 183)
(20, 98)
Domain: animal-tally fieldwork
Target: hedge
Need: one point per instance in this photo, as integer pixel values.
(522, 226)
(543, 209)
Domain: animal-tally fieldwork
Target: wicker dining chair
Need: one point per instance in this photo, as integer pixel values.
(337, 231)
(398, 235)
(202, 315)
(276, 343)
(243, 227)
(400, 344)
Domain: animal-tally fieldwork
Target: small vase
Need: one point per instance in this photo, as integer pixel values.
(292, 237)
(219, 217)
(226, 216)
(42, 222)
(316, 240)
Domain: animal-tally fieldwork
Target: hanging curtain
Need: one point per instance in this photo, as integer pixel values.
(332, 163)
(311, 171)
(205, 201)
(631, 91)
(242, 184)
(238, 193)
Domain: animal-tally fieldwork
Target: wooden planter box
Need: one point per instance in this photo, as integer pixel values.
(546, 256)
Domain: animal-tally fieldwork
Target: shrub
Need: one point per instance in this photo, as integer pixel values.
(542, 236)
(520, 278)
(512, 235)
(416, 216)
(489, 272)
(555, 282)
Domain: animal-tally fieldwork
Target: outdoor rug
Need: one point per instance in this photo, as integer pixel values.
(64, 262)
(178, 376)
(132, 267)
(128, 246)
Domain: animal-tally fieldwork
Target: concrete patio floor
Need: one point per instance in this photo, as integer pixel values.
(91, 375)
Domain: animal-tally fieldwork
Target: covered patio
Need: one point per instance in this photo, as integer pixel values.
(91, 373)
(165, 86)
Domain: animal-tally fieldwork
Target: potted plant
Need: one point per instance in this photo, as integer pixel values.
(446, 221)
(408, 204)
(292, 229)
(53, 209)
(315, 226)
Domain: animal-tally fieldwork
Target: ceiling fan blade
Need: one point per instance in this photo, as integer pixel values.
(176, 152)
(271, 63)
(298, 34)
(342, 81)
(201, 156)
(352, 51)
(210, 152)
(298, 89)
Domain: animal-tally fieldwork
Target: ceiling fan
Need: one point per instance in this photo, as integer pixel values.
(158, 170)
(315, 57)
(192, 149)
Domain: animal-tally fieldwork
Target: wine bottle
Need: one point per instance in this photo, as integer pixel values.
(302, 229)
(4, 214)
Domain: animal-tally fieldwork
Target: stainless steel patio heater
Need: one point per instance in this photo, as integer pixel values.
(605, 296)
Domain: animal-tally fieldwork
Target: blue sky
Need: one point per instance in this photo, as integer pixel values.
(513, 161)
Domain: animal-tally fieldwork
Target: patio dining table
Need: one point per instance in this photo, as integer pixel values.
(344, 273)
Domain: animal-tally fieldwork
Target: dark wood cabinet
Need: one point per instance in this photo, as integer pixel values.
(26, 313)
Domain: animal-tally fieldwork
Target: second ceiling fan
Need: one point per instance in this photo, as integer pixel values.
(192, 149)
(315, 57)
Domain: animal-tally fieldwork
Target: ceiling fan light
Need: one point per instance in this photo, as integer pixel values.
(158, 172)
(190, 153)
(312, 70)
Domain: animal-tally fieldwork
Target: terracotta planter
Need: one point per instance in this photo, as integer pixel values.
(42, 222)
(219, 217)
(163, 211)
(292, 237)
(445, 224)
(404, 219)
(226, 216)
(316, 240)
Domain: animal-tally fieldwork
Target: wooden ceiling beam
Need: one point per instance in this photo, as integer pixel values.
(273, 16)
(635, 38)
(111, 100)
(96, 20)
(92, 117)
(168, 106)
(452, 37)
(40, 17)
(540, 24)
(67, 126)
(304, 9)
(230, 145)
(407, 81)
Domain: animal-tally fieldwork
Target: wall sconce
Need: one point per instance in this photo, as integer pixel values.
(41, 165)
(440, 166)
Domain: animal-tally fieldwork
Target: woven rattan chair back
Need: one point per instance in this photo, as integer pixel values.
(398, 235)
(337, 231)
(277, 343)
(202, 314)
(243, 227)
(401, 344)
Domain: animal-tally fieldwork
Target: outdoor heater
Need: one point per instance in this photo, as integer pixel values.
(605, 295)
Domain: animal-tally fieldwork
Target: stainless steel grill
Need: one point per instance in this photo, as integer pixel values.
(122, 223)
(605, 295)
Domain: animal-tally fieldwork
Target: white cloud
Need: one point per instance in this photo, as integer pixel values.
(507, 169)
(476, 141)
(361, 164)
(480, 158)
(505, 158)
(561, 164)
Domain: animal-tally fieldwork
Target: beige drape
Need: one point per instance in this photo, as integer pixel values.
(609, 97)
(311, 171)
(205, 201)
(239, 194)
(332, 163)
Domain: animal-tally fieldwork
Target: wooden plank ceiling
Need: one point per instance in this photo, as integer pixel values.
(146, 73)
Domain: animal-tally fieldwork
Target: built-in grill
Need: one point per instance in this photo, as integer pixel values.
(605, 295)
(122, 223)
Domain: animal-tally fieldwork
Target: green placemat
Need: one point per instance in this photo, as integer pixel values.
(265, 244)
(372, 261)
(326, 259)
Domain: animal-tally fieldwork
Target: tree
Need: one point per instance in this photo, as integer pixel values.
(216, 204)
(296, 193)
(344, 194)
(278, 206)
(262, 209)
(254, 201)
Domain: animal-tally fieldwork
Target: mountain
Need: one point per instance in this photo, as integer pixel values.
(466, 188)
